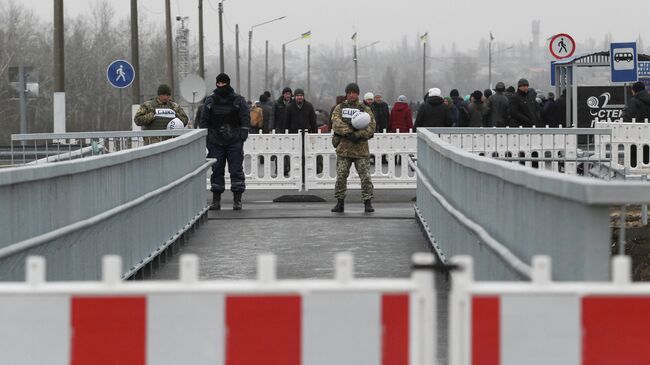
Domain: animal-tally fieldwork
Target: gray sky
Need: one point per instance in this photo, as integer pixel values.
(460, 21)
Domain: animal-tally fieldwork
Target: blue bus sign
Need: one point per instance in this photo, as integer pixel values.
(623, 62)
(120, 74)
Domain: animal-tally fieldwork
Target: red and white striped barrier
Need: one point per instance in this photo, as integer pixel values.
(544, 322)
(263, 321)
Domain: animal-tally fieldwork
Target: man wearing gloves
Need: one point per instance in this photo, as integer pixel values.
(352, 147)
(227, 118)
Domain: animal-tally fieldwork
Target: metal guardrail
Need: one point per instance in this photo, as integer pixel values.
(528, 211)
(574, 151)
(54, 147)
(133, 203)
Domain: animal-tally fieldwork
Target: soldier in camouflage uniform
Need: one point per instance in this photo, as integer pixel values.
(352, 148)
(155, 114)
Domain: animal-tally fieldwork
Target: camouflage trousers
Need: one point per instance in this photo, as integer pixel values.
(362, 165)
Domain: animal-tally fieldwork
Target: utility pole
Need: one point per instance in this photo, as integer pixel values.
(250, 44)
(266, 67)
(356, 61)
(237, 57)
(170, 49)
(221, 59)
(284, 50)
(59, 69)
(201, 50)
(490, 62)
(135, 53)
(309, 69)
(424, 66)
(23, 99)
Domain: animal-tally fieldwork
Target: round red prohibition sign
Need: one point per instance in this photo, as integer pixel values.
(562, 46)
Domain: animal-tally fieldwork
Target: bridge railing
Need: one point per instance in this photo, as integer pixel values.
(503, 214)
(40, 148)
(567, 150)
(340, 321)
(134, 203)
(547, 322)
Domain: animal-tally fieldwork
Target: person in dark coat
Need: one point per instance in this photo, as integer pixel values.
(454, 111)
(382, 113)
(638, 107)
(498, 107)
(227, 118)
(559, 111)
(300, 114)
(277, 115)
(463, 111)
(548, 111)
(523, 107)
(477, 110)
(267, 110)
(401, 118)
(434, 112)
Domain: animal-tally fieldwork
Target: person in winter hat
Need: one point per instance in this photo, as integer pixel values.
(401, 117)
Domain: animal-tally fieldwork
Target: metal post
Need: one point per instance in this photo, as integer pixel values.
(201, 50)
(284, 49)
(621, 232)
(250, 60)
(23, 100)
(170, 50)
(59, 69)
(237, 57)
(266, 66)
(490, 65)
(221, 57)
(308, 70)
(424, 66)
(356, 79)
(135, 53)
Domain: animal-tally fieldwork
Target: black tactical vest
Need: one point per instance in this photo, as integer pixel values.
(224, 111)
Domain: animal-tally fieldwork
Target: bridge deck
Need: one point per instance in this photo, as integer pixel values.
(305, 237)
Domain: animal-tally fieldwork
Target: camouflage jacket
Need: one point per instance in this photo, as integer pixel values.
(155, 115)
(353, 142)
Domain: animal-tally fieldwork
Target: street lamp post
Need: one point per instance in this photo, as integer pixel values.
(284, 52)
(250, 44)
(424, 39)
(221, 59)
(356, 59)
(490, 62)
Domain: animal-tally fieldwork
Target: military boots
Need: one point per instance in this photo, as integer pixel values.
(368, 206)
(216, 201)
(236, 204)
(339, 207)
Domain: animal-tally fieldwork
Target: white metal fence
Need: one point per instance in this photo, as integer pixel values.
(344, 321)
(74, 212)
(630, 146)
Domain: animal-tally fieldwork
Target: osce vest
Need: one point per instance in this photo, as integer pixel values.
(348, 111)
(162, 117)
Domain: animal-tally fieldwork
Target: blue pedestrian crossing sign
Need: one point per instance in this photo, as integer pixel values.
(120, 74)
(624, 62)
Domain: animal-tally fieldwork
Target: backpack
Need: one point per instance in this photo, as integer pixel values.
(257, 117)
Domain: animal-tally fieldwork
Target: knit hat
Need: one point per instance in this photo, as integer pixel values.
(487, 93)
(352, 88)
(511, 89)
(435, 92)
(264, 98)
(500, 86)
(522, 82)
(368, 96)
(402, 99)
(454, 93)
(223, 78)
(477, 95)
(638, 86)
(164, 90)
(299, 92)
(287, 90)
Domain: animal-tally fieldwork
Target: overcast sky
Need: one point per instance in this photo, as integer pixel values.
(460, 21)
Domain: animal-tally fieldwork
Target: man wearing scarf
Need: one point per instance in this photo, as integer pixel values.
(227, 117)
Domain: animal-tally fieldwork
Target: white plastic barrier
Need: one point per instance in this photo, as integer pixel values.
(545, 322)
(630, 145)
(311, 322)
(272, 161)
(389, 155)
